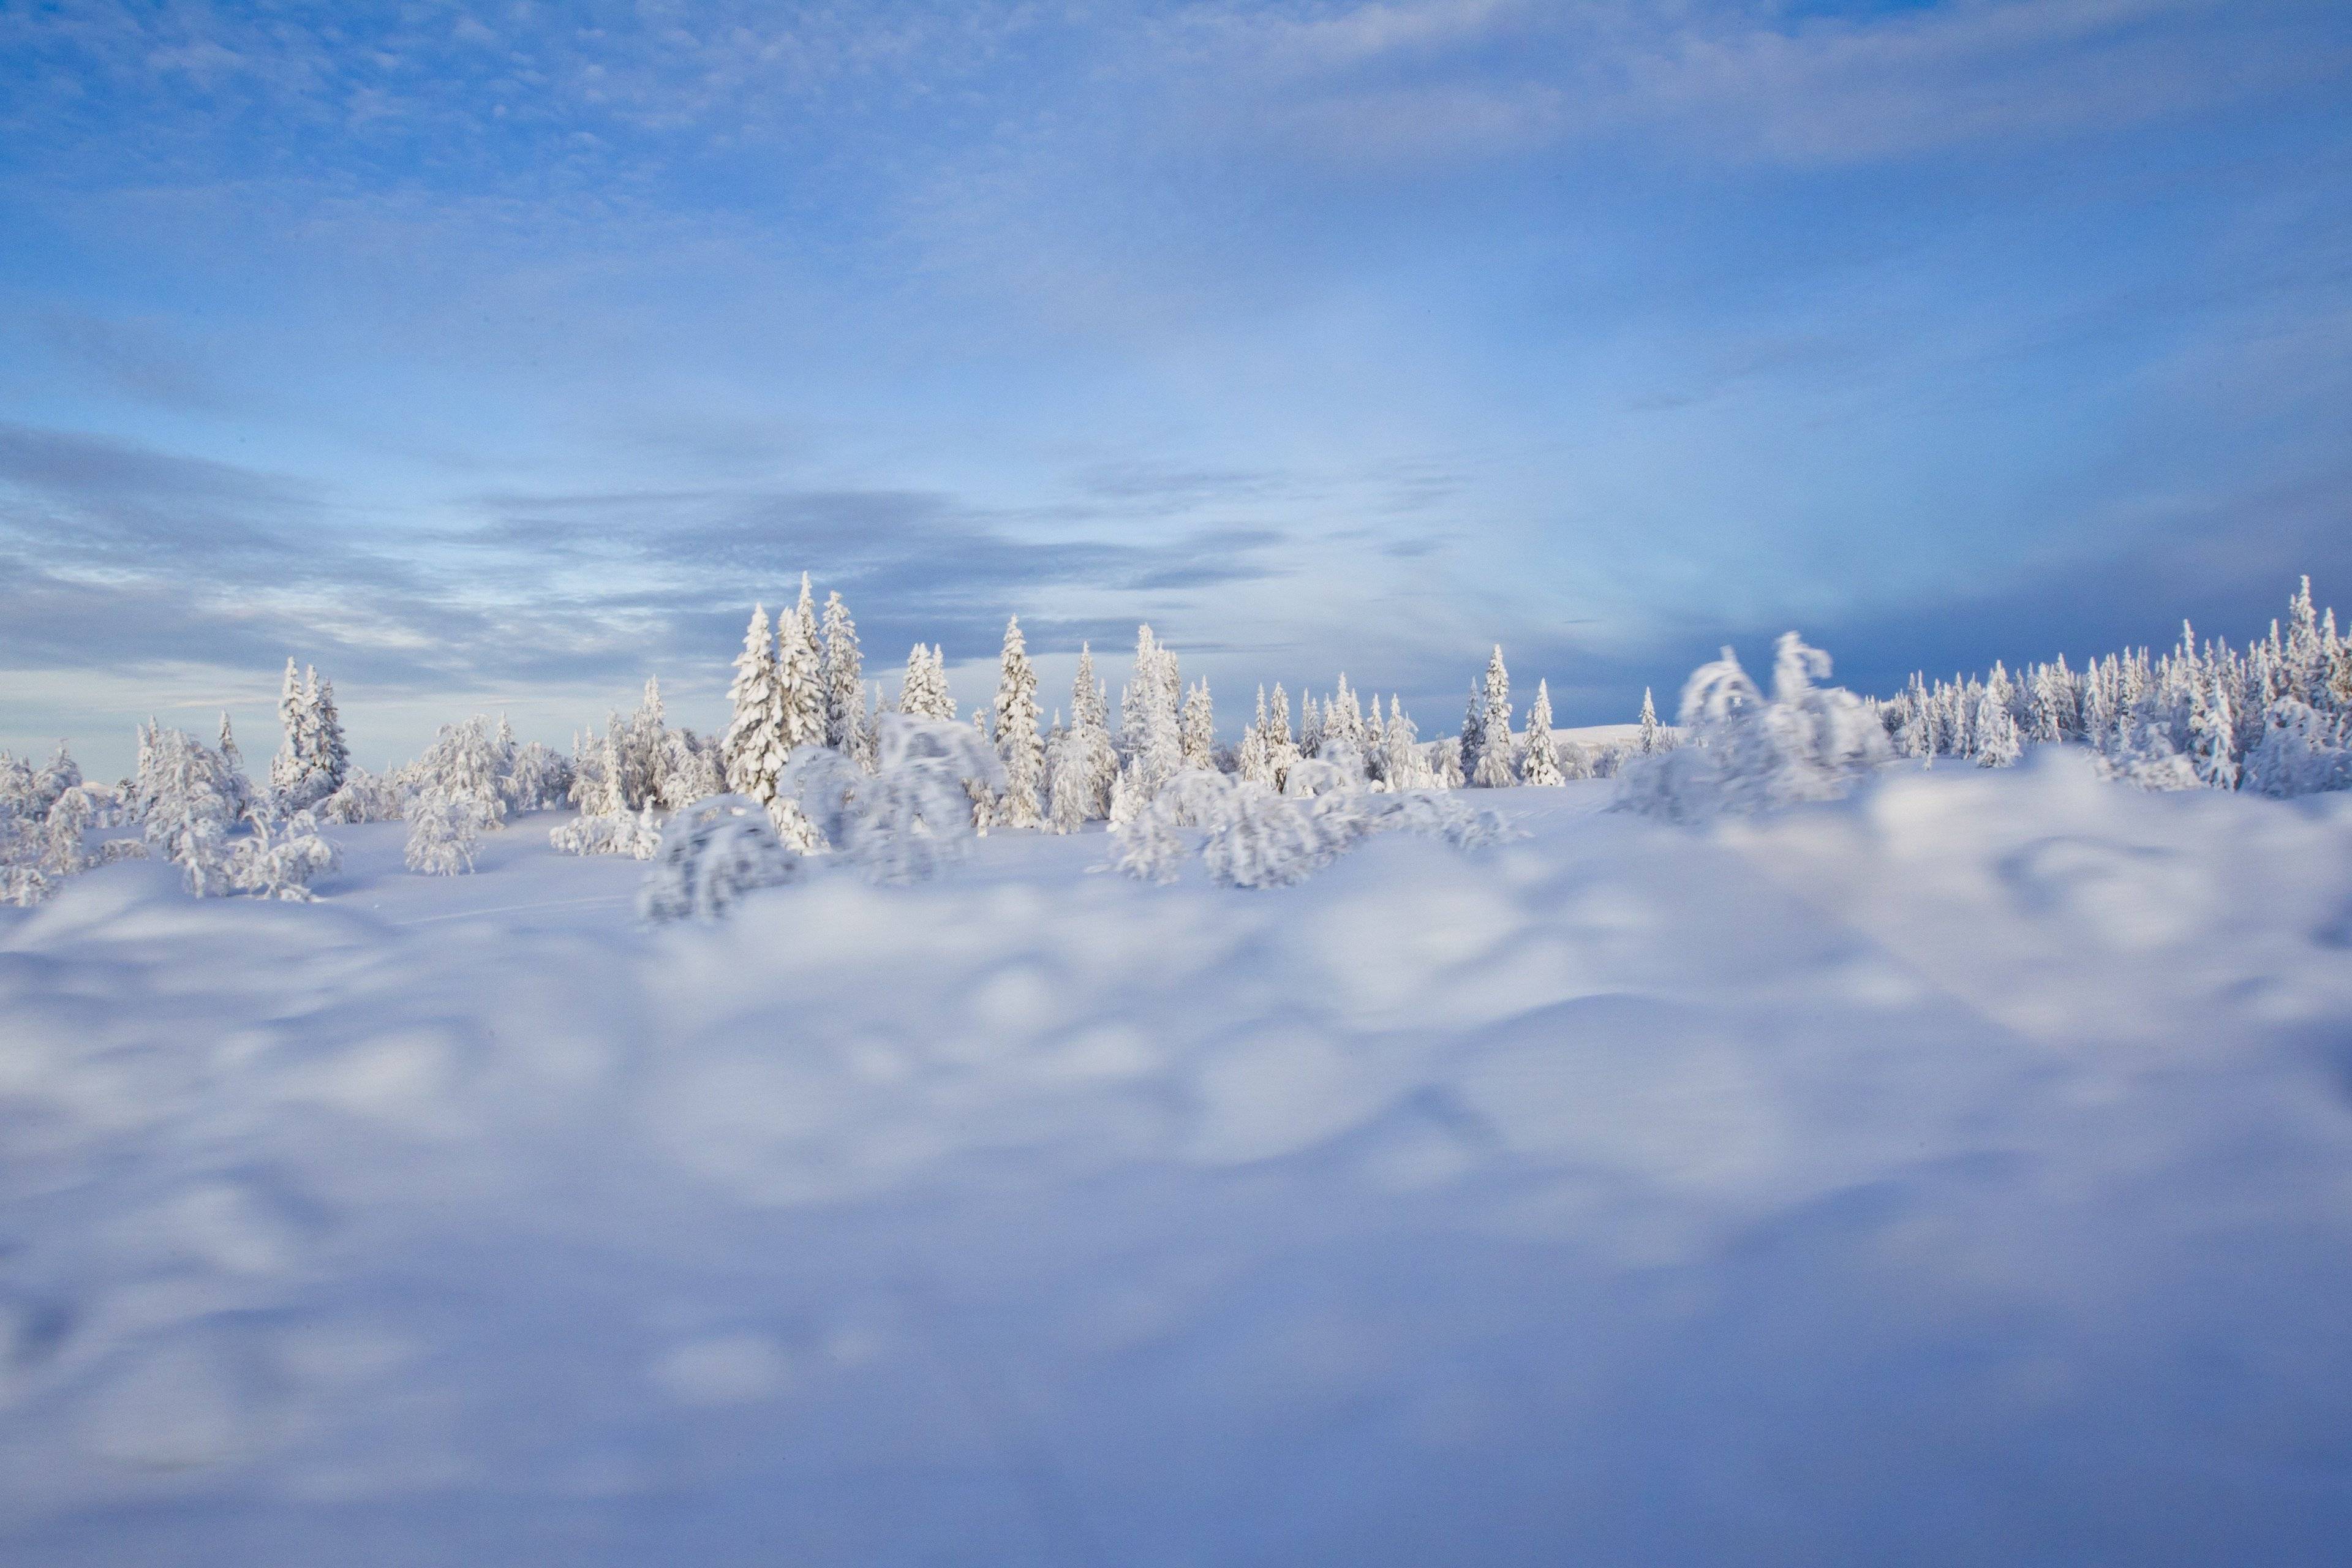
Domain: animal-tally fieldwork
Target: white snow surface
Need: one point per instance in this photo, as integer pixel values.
(1958, 1173)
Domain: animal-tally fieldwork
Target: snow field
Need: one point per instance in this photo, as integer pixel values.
(1960, 1173)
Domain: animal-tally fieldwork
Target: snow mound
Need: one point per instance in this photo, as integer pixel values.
(1959, 1162)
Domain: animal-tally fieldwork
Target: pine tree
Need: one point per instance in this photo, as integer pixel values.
(1651, 740)
(330, 759)
(287, 769)
(845, 679)
(798, 679)
(1197, 729)
(229, 753)
(754, 747)
(1540, 765)
(1495, 770)
(1474, 732)
(1404, 764)
(1016, 733)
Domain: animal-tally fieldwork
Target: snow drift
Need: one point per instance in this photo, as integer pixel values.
(1962, 1170)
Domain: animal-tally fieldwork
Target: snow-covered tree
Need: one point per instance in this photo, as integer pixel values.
(799, 679)
(709, 855)
(1151, 742)
(844, 672)
(908, 817)
(1742, 754)
(755, 748)
(372, 798)
(1473, 743)
(1494, 769)
(1197, 727)
(923, 693)
(1257, 838)
(188, 803)
(442, 831)
(312, 764)
(1540, 764)
(1404, 762)
(1084, 762)
(1017, 743)
(1652, 739)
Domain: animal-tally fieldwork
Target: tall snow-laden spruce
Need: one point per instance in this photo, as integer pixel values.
(843, 673)
(313, 762)
(755, 748)
(1084, 760)
(1494, 769)
(1017, 742)
(1652, 740)
(1540, 764)
(1197, 727)
(1148, 731)
(799, 681)
(1474, 732)
(923, 693)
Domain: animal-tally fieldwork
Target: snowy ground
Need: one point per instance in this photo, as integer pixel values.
(1964, 1174)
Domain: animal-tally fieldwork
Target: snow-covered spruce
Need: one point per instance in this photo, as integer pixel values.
(709, 855)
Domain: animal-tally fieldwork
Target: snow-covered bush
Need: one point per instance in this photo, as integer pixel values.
(615, 833)
(1743, 755)
(2143, 757)
(362, 797)
(443, 828)
(710, 853)
(2302, 752)
(1257, 838)
(281, 858)
(911, 815)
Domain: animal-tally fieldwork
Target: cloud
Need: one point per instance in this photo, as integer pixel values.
(1441, 80)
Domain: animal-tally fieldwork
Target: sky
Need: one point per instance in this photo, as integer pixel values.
(493, 358)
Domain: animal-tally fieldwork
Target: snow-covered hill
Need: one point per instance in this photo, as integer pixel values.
(1962, 1173)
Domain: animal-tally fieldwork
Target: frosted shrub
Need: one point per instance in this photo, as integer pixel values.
(443, 829)
(363, 796)
(2144, 757)
(1743, 755)
(912, 815)
(616, 833)
(1257, 838)
(280, 860)
(2302, 752)
(709, 855)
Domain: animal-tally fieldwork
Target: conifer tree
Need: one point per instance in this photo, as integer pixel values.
(1474, 732)
(1197, 729)
(1540, 765)
(1495, 770)
(754, 747)
(798, 679)
(330, 759)
(1651, 741)
(1404, 764)
(845, 679)
(1017, 744)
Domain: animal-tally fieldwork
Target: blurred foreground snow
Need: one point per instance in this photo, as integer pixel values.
(1962, 1172)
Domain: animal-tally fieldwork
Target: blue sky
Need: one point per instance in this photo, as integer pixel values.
(494, 357)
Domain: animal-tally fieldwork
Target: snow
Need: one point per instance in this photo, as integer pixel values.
(1959, 1171)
